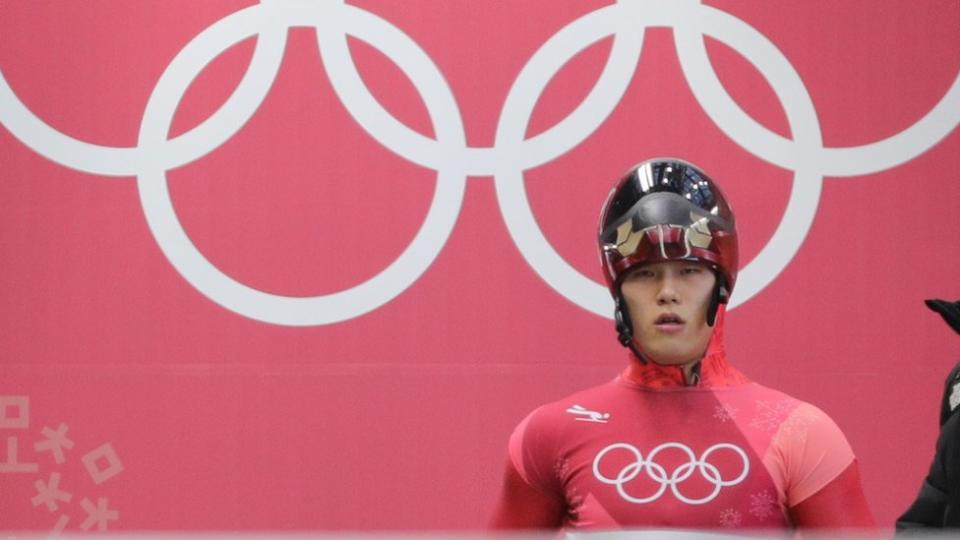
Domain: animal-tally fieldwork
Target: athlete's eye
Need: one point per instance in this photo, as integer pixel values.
(692, 270)
(641, 273)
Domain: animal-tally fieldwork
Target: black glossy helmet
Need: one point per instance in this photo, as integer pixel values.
(661, 210)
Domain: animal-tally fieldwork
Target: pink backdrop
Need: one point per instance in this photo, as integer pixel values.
(280, 370)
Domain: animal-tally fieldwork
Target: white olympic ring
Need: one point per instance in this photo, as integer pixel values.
(301, 311)
(449, 154)
(658, 474)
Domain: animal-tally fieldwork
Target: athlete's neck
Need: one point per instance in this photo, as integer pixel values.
(710, 371)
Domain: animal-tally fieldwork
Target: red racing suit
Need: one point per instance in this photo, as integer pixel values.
(647, 450)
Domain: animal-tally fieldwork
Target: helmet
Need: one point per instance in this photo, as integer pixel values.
(662, 210)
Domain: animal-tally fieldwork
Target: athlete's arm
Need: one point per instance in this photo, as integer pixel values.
(523, 507)
(838, 505)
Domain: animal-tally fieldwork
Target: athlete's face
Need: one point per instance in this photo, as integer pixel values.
(668, 304)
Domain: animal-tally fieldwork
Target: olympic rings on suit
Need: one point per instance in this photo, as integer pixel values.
(657, 473)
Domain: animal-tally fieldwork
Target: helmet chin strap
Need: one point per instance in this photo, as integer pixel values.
(625, 329)
(719, 296)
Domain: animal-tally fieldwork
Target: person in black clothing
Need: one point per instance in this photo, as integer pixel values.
(938, 504)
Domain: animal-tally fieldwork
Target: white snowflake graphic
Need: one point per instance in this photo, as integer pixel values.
(770, 415)
(762, 504)
(730, 518)
(724, 412)
(574, 504)
(795, 427)
(561, 468)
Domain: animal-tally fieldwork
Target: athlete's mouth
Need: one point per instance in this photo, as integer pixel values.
(669, 318)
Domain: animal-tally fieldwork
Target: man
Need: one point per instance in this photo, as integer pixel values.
(680, 438)
(938, 503)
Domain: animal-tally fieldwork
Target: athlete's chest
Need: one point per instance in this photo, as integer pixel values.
(670, 459)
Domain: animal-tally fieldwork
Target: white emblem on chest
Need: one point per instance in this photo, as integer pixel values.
(658, 474)
(955, 397)
(586, 415)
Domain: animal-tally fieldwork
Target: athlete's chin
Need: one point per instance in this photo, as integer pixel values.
(668, 350)
(673, 349)
(667, 359)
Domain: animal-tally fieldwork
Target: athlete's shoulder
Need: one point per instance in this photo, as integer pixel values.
(538, 439)
(579, 400)
(794, 417)
(586, 404)
(767, 394)
(808, 448)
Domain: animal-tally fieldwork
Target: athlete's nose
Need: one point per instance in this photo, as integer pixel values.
(667, 291)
